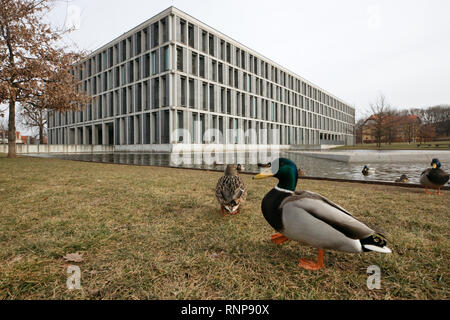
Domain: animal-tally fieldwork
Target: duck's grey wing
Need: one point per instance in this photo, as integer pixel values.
(329, 212)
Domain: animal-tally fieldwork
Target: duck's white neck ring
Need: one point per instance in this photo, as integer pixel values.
(283, 190)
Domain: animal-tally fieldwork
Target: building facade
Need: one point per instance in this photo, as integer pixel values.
(174, 83)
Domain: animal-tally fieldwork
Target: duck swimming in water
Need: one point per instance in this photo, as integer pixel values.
(310, 218)
(366, 170)
(403, 178)
(434, 178)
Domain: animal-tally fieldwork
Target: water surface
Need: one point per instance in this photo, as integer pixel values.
(313, 167)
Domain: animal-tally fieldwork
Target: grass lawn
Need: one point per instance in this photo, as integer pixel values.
(157, 233)
(435, 145)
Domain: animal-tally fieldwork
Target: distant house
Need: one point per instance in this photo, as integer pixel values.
(4, 137)
(20, 139)
(395, 128)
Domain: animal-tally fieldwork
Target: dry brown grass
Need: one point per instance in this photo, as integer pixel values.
(157, 233)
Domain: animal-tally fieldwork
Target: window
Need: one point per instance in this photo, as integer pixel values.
(202, 66)
(110, 80)
(154, 63)
(130, 71)
(165, 30)
(204, 41)
(124, 101)
(211, 98)
(165, 91)
(99, 65)
(130, 47)
(138, 68)
(123, 71)
(194, 127)
(116, 54)
(105, 60)
(211, 45)
(110, 57)
(139, 97)
(228, 53)
(183, 91)
(138, 43)
(220, 73)
(147, 66)
(130, 99)
(155, 121)
(165, 138)
(222, 100)
(252, 109)
(191, 93)
(146, 100)
(180, 58)
(194, 63)
(123, 49)
(155, 91)
(146, 39)
(222, 49)
(180, 122)
(244, 105)
(155, 35)
(116, 77)
(213, 70)
(182, 31)
(166, 60)
(228, 101)
(205, 95)
(191, 35)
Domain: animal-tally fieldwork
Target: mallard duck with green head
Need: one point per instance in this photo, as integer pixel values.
(434, 178)
(231, 191)
(310, 218)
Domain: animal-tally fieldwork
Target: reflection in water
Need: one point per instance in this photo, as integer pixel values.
(314, 167)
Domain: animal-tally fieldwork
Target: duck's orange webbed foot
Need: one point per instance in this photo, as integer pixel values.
(426, 191)
(439, 192)
(278, 238)
(312, 265)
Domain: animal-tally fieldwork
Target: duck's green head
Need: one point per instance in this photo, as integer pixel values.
(435, 163)
(284, 170)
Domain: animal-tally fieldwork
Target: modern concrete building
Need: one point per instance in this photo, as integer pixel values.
(174, 83)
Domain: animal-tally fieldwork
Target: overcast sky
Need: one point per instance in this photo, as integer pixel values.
(354, 49)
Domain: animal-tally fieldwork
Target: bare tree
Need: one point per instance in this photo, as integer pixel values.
(410, 125)
(33, 67)
(390, 126)
(427, 132)
(34, 118)
(359, 131)
(381, 111)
